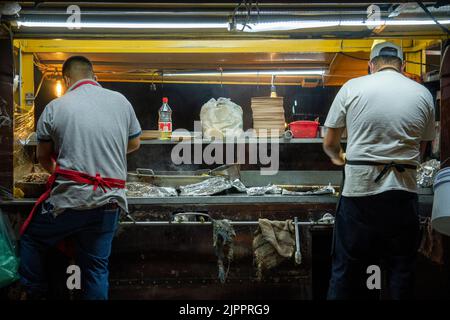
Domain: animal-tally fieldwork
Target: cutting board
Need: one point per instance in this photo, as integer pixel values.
(154, 134)
(150, 134)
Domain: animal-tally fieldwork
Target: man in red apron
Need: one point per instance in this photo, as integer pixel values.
(387, 117)
(84, 137)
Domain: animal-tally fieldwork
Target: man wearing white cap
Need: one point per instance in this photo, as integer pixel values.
(388, 117)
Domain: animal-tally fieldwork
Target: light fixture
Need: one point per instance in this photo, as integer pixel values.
(260, 25)
(119, 25)
(58, 88)
(393, 23)
(301, 72)
(311, 24)
(284, 25)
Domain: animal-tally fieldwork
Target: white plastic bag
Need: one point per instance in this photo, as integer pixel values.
(221, 118)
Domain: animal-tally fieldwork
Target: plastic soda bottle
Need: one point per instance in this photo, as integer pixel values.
(165, 120)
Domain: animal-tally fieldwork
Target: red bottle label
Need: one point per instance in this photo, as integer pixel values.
(165, 126)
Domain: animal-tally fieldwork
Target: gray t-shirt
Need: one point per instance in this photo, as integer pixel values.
(386, 116)
(90, 127)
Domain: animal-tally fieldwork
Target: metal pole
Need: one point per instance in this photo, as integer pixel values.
(206, 223)
(298, 254)
(19, 85)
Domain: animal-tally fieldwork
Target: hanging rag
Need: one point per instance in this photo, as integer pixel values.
(273, 243)
(223, 241)
(431, 245)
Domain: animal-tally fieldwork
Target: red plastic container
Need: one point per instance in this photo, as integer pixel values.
(304, 129)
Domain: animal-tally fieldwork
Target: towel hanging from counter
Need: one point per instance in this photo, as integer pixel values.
(431, 245)
(223, 241)
(273, 243)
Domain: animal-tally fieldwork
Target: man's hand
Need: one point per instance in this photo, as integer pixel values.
(44, 153)
(340, 160)
(332, 145)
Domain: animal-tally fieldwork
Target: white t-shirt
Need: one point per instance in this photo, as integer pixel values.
(90, 127)
(386, 115)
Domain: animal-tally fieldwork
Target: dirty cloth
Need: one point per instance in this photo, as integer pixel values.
(431, 245)
(223, 242)
(274, 242)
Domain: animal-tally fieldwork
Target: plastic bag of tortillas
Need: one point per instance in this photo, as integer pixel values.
(221, 118)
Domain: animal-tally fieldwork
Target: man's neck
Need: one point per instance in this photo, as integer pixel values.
(78, 81)
(383, 68)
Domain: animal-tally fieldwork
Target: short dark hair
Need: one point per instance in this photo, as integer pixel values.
(380, 61)
(76, 60)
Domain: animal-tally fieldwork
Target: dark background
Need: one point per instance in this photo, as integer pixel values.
(186, 100)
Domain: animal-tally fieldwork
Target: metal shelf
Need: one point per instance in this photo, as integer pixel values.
(211, 200)
(232, 199)
(235, 141)
(238, 141)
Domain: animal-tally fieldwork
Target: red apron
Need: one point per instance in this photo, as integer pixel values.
(76, 176)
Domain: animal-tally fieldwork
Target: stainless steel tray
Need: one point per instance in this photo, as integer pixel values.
(168, 179)
(176, 179)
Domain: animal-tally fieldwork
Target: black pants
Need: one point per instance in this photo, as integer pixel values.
(368, 230)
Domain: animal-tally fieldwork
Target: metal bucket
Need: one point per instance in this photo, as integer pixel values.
(440, 218)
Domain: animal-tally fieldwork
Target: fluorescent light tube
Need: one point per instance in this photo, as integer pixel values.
(251, 27)
(316, 72)
(109, 25)
(293, 25)
(392, 22)
(287, 25)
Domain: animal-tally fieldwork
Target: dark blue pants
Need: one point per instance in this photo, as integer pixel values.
(370, 230)
(92, 232)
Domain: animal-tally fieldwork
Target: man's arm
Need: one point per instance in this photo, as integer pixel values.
(44, 155)
(332, 145)
(133, 144)
(134, 129)
(429, 133)
(335, 124)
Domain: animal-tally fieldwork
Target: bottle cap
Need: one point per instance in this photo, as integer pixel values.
(165, 100)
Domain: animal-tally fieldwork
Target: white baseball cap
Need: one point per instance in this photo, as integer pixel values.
(388, 49)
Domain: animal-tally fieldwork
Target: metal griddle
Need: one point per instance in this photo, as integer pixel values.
(176, 179)
(304, 187)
